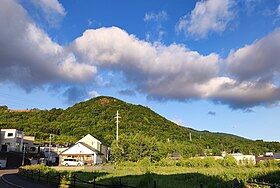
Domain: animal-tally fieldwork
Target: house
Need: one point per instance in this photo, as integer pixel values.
(11, 140)
(82, 152)
(30, 147)
(91, 141)
(268, 154)
(96, 144)
(88, 149)
(28, 140)
(241, 159)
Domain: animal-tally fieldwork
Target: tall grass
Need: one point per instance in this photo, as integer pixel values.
(182, 173)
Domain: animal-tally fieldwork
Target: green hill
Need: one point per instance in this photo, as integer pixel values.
(137, 124)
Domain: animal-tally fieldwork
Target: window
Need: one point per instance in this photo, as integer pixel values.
(10, 134)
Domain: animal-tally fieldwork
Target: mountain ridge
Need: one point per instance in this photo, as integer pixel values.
(97, 117)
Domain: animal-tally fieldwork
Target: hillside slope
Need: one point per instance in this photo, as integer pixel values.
(97, 117)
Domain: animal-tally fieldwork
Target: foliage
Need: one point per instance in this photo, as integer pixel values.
(177, 176)
(143, 133)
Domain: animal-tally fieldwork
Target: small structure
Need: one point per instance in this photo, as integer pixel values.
(88, 149)
(241, 159)
(11, 140)
(96, 144)
(30, 147)
(82, 152)
(268, 154)
(28, 140)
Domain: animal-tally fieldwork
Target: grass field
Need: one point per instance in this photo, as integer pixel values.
(180, 177)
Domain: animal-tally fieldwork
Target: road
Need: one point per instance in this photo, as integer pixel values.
(12, 177)
(6, 171)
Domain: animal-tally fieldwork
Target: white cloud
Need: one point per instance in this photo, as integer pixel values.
(50, 6)
(170, 72)
(244, 94)
(278, 10)
(30, 57)
(207, 16)
(52, 10)
(151, 16)
(151, 66)
(259, 61)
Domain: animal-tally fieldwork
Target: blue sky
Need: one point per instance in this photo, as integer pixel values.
(209, 65)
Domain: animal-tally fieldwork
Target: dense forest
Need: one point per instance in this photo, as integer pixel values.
(142, 132)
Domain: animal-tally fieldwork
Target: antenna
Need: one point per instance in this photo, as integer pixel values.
(117, 117)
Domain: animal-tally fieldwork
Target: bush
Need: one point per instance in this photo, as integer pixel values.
(229, 161)
(167, 162)
(145, 161)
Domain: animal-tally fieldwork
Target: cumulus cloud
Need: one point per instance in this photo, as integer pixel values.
(30, 58)
(207, 16)
(156, 69)
(259, 61)
(170, 72)
(163, 72)
(241, 95)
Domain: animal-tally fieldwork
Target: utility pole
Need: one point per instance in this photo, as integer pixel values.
(117, 132)
(50, 147)
(190, 135)
(23, 154)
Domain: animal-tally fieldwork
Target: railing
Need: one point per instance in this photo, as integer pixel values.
(262, 183)
(73, 181)
(36, 175)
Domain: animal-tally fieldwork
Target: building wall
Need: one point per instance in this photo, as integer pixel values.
(91, 141)
(104, 150)
(13, 139)
(241, 158)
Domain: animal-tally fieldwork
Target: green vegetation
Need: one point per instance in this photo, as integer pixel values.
(143, 174)
(143, 133)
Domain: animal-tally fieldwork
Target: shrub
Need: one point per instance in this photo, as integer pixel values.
(229, 161)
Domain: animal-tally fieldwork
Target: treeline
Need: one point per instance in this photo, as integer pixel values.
(143, 133)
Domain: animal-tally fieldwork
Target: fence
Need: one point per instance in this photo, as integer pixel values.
(55, 178)
(262, 183)
(35, 175)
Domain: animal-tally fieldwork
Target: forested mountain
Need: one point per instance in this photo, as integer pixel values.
(139, 126)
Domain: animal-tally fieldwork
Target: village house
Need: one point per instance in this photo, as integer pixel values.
(11, 140)
(240, 158)
(88, 150)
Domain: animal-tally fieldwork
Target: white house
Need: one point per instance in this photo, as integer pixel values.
(11, 140)
(240, 158)
(82, 152)
(96, 144)
(91, 141)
